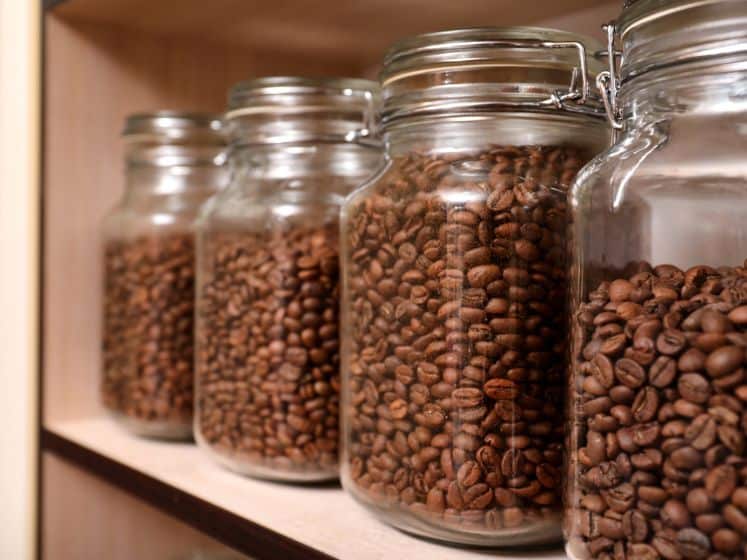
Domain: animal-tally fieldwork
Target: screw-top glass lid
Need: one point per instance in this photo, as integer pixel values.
(287, 109)
(662, 33)
(490, 69)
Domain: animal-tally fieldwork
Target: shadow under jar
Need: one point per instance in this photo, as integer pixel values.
(268, 276)
(658, 404)
(454, 286)
(174, 163)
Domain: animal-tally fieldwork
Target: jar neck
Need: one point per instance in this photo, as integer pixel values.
(193, 181)
(689, 91)
(471, 135)
(268, 169)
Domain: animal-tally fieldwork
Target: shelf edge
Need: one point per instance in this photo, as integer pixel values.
(228, 528)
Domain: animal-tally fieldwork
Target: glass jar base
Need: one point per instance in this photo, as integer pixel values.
(535, 533)
(154, 429)
(271, 472)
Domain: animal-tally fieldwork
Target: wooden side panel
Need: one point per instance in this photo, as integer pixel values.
(19, 288)
(87, 519)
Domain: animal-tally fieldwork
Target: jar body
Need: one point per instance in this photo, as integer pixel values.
(267, 311)
(453, 327)
(149, 299)
(658, 392)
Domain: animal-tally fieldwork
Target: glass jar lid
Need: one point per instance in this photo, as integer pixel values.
(484, 70)
(285, 109)
(651, 35)
(660, 33)
(174, 138)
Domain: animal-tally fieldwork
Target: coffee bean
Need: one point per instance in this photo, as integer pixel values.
(694, 388)
(709, 522)
(739, 498)
(620, 498)
(671, 342)
(646, 405)
(692, 360)
(675, 514)
(727, 541)
(147, 333)
(666, 545)
(269, 402)
(595, 447)
(603, 371)
(693, 544)
(738, 316)
(613, 345)
(662, 441)
(702, 432)
(736, 519)
(699, 501)
(635, 526)
(467, 294)
(630, 373)
(662, 372)
(721, 481)
(724, 360)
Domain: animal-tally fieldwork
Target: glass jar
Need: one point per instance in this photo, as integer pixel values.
(174, 163)
(658, 404)
(268, 276)
(454, 283)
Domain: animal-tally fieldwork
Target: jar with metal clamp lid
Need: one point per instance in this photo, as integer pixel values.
(658, 406)
(454, 284)
(268, 276)
(174, 164)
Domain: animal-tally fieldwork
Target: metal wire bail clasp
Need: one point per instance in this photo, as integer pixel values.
(573, 94)
(607, 81)
(367, 132)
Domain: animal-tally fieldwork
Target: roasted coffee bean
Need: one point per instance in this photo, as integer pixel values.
(147, 333)
(675, 468)
(630, 373)
(268, 399)
(662, 372)
(694, 388)
(467, 293)
(691, 543)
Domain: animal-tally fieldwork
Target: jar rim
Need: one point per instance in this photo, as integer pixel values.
(269, 88)
(169, 126)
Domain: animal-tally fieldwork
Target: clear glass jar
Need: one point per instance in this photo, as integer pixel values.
(174, 163)
(454, 284)
(268, 276)
(658, 404)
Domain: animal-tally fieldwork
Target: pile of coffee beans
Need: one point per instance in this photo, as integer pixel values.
(456, 287)
(147, 333)
(268, 351)
(659, 418)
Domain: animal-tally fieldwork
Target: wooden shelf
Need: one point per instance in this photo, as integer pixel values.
(264, 520)
(356, 33)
